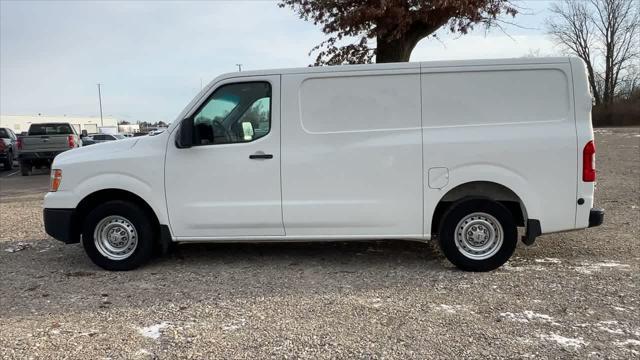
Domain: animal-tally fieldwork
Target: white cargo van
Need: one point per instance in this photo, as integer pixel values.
(464, 152)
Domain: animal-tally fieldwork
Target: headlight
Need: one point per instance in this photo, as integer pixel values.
(56, 179)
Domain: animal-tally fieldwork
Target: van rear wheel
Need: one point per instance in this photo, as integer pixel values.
(118, 235)
(478, 234)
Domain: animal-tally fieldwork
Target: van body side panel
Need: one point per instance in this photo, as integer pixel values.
(351, 154)
(135, 165)
(584, 133)
(512, 125)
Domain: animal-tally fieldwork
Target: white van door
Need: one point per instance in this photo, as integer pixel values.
(352, 154)
(228, 183)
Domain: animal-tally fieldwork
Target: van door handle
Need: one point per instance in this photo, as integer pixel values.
(261, 155)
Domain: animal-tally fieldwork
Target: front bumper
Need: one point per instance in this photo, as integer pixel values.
(58, 223)
(596, 217)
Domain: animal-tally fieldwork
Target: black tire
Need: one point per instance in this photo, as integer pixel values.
(8, 162)
(25, 168)
(140, 221)
(459, 211)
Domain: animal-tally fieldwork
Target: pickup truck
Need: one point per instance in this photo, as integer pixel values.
(43, 142)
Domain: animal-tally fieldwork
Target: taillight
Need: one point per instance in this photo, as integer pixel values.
(589, 162)
(3, 146)
(19, 143)
(56, 179)
(72, 141)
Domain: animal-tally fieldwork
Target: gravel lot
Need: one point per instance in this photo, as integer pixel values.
(571, 295)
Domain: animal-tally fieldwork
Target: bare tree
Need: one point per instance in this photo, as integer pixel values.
(605, 34)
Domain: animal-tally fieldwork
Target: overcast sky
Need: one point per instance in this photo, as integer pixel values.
(151, 56)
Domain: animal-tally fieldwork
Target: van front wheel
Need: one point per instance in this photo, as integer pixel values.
(478, 234)
(118, 235)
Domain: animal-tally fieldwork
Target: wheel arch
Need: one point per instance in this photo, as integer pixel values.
(481, 189)
(90, 201)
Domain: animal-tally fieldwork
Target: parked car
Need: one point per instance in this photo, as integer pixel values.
(464, 152)
(7, 147)
(100, 138)
(43, 142)
(87, 140)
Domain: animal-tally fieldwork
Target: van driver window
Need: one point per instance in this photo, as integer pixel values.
(235, 113)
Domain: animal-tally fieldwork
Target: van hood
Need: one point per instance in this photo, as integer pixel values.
(97, 150)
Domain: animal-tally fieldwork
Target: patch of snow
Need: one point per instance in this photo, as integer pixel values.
(89, 333)
(564, 341)
(509, 267)
(611, 331)
(448, 308)
(19, 247)
(369, 302)
(589, 268)
(452, 309)
(153, 331)
(548, 260)
(632, 342)
(234, 325)
(527, 316)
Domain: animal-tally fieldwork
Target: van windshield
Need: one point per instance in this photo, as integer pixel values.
(50, 129)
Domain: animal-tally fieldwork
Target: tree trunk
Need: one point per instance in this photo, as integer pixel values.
(592, 82)
(398, 50)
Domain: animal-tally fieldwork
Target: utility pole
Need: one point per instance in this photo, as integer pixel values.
(100, 102)
(239, 67)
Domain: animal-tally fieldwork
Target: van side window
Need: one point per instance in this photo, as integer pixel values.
(235, 113)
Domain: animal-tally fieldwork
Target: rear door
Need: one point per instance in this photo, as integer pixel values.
(228, 183)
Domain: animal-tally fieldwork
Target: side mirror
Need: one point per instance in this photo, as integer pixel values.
(184, 136)
(83, 133)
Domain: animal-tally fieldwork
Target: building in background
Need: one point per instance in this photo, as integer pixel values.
(21, 123)
(128, 128)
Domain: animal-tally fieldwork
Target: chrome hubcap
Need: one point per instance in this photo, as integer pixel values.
(115, 237)
(479, 236)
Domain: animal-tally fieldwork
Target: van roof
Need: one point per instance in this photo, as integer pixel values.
(399, 66)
